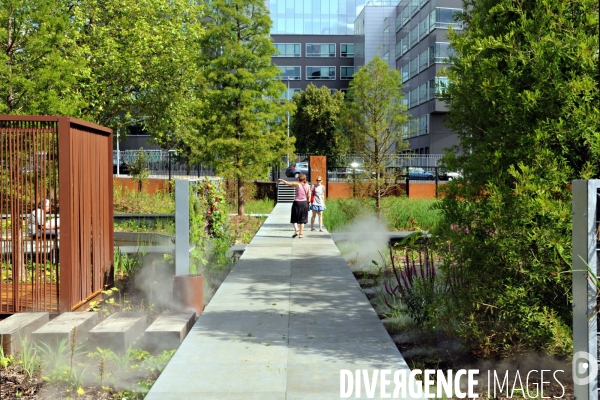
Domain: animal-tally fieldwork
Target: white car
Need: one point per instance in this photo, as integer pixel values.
(453, 175)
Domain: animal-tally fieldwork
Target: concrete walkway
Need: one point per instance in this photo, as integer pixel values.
(286, 320)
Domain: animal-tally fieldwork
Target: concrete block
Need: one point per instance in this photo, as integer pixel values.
(19, 327)
(61, 327)
(118, 331)
(168, 330)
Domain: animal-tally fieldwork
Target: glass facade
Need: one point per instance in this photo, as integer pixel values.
(290, 73)
(320, 49)
(347, 50)
(287, 50)
(314, 17)
(346, 73)
(320, 73)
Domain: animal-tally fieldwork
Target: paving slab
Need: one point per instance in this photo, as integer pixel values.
(285, 321)
(168, 330)
(18, 328)
(61, 328)
(118, 331)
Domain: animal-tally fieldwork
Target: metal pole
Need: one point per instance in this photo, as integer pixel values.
(288, 120)
(169, 164)
(118, 154)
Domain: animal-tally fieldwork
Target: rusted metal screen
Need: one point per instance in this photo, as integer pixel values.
(318, 167)
(56, 199)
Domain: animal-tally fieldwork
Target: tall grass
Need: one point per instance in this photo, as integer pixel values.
(254, 206)
(129, 201)
(398, 213)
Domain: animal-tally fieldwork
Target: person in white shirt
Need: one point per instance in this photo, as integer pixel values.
(39, 225)
(318, 204)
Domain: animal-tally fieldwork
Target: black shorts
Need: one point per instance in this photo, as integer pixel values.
(299, 212)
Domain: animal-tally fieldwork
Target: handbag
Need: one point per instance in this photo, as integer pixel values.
(312, 195)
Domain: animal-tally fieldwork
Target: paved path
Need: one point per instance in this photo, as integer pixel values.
(284, 323)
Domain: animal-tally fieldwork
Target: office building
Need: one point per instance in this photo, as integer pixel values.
(420, 51)
(315, 39)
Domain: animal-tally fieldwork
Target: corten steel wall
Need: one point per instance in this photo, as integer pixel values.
(68, 162)
(318, 167)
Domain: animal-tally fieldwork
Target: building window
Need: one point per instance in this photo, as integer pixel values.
(386, 56)
(320, 72)
(414, 98)
(414, 7)
(414, 67)
(441, 84)
(424, 60)
(444, 18)
(290, 73)
(347, 50)
(320, 49)
(405, 73)
(414, 36)
(423, 93)
(423, 125)
(287, 50)
(289, 93)
(346, 73)
(424, 27)
(442, 52)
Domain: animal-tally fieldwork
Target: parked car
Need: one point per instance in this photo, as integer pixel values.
(123, 167)
(416, 173)
(296, 169)
(448, 176)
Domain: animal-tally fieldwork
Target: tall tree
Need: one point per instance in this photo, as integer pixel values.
(374, 118)
(35, 75)
(523, 100)
(316, 122)
(241, 125)
(141, 61)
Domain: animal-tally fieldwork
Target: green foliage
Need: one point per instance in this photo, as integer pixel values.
(139, 168)
(111, 62)
(35, 75)
(128, 201)
(240, 127)
(530, 71)
(316, 124)
(398, 213)
(374, 119)
(4, 361)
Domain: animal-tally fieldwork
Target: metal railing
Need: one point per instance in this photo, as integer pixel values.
(161, 163)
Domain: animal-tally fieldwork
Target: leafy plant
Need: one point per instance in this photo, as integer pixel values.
(29, 359)
(4, 361)
(415, 283)
(139, 168)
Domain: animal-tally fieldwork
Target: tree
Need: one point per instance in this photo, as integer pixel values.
(374, 118)
(141, 62)
(523, 98)
(316, 122)
(139, 168)
(35, 75)
(240, 127)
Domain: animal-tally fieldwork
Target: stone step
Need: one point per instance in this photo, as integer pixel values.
(168, 330)
(61, 327)
(118, 331)
(18, 327)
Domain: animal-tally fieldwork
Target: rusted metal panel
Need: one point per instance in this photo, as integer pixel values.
(68, 162)
(318, 167)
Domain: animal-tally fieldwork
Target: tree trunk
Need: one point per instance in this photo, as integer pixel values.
(240, 184)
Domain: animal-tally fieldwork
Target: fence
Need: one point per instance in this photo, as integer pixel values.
(161, 163)
(55, 174)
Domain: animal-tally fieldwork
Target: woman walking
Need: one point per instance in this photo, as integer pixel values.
(318, 204)
(300, 206)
